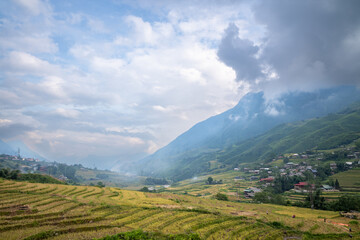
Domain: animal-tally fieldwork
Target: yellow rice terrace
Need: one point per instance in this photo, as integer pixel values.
(55, 211)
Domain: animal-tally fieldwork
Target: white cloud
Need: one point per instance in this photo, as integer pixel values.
(107, 66)
(142, 31)
(5, 121)
(69, 113)
(35, 7)
(164, 109)
(126, 85)
(32, 44)
(24, 63)
(193, 75)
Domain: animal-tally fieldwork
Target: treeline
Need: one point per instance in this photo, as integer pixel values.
(146, 189)
(313, 200)
(9, 174)
(63, 169)
(285, 183)
(38, 178)
(30, 177)
(155, 181)
(212, 181)
(343, 203)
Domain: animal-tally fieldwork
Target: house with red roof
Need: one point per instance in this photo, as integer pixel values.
(267, 180)
(301, 186)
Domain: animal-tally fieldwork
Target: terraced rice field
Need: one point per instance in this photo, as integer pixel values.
(48, 211)
(349, 180)
(196, 187)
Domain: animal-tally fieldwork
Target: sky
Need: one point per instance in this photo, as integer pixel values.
(101, 82)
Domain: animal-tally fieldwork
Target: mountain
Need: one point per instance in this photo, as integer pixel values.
(25, 151)
(6, 149)
(190, 153)
(323, 133)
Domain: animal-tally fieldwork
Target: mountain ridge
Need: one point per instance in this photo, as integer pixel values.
(252, 116)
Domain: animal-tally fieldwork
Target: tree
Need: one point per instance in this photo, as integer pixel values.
(6, 173)
(14, 174)
(337, 184)
(144, 189)
(155, 181)
(221, 196)
(357, 144)
(210, 180)
(100, 184)
(318, 200)
(341, 167)
(269, 197)
(348, 203)
(264, 174)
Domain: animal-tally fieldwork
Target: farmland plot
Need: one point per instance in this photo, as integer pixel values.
(50, 211)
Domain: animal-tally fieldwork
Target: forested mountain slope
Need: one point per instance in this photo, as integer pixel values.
(236, 135)
(321, 133)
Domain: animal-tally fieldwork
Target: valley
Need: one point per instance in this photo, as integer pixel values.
(298, 180)
(179, 120)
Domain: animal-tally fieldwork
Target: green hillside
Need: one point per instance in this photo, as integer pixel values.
(315, 134)
(323, 133)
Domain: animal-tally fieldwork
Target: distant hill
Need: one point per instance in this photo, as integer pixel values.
(25, 151)
(190, 153)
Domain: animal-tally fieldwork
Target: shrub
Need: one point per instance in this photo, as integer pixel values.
(221, 196)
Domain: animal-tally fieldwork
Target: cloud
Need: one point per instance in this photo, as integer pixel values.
(5, 121)
(68, 113)
(20, 63)
(24, 42)
(307, 45)
(133, 75)
(240, 54)
(13, 130)
(34, 7)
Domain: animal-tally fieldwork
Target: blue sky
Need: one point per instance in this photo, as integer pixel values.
(99, 82)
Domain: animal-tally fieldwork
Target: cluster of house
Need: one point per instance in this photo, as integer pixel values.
(302, 187)
(290, 169)
(17, 158)
(295, 169)
(251, 191)
(351, 154)
(306, 187)
(27, 165)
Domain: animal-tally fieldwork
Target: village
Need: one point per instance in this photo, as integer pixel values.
(316, 166)
(60, 171)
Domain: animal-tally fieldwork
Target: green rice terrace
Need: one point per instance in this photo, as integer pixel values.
(55, 211)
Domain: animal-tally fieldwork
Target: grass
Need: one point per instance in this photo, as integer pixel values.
(84, 212)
